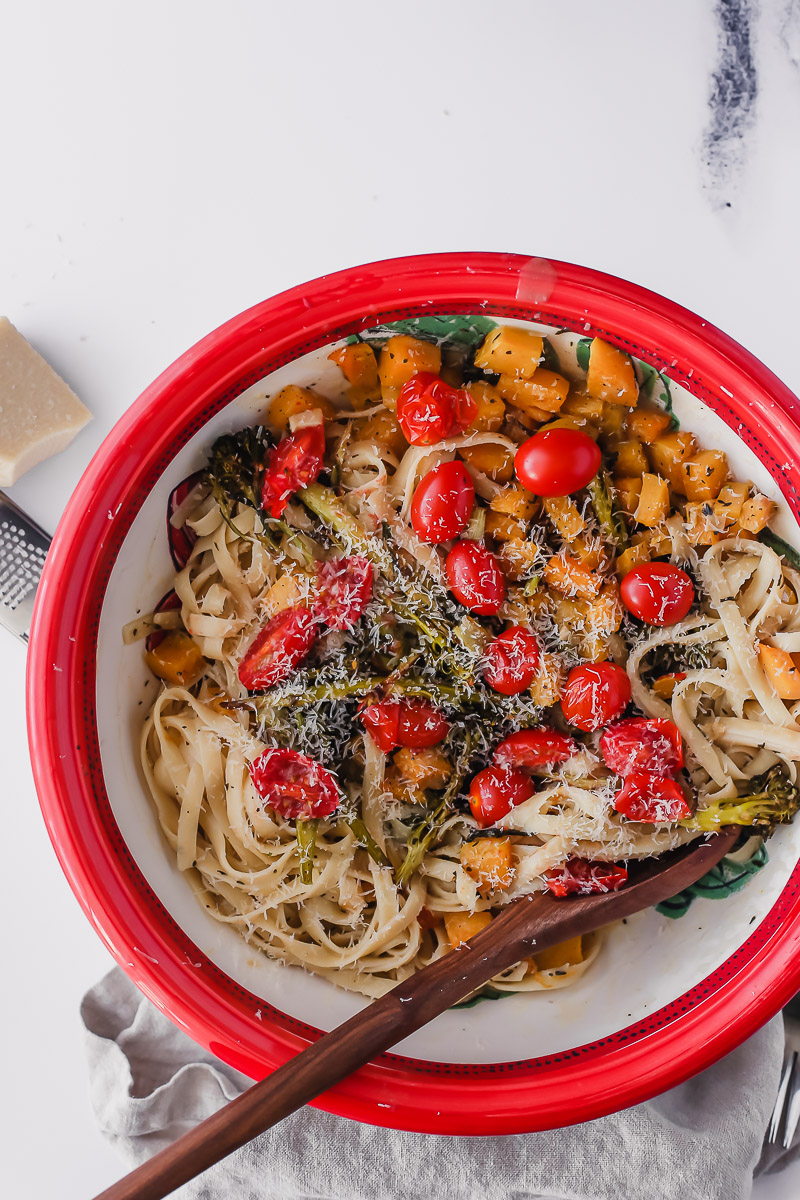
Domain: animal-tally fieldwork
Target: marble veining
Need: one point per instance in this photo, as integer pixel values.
(732, 100)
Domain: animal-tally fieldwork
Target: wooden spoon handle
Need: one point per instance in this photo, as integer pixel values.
(335, 1055)
(529, 924)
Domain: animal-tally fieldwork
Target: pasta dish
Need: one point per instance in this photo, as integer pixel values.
(488, 624)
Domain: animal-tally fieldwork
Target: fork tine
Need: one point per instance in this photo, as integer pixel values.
(780, 1100)
(793, 1104)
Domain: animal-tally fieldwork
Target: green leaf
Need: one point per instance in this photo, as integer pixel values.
(582, 353)
(460, 328)
(721, 881)
(488, 993)
(780, 547)
(550, 360)
(655, 386)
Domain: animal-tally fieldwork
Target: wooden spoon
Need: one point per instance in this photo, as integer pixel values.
(528, 924)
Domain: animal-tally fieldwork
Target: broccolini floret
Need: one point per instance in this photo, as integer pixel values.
(771, 801)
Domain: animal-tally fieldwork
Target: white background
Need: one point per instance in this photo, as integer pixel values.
(165, 165)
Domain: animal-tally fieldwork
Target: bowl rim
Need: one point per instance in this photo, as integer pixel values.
(624, 1068)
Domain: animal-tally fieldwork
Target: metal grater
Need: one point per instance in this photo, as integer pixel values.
(23, 548)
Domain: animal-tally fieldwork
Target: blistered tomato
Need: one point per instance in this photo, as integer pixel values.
(649, 797)
(443, 503)
(429, 409)
(344, 589)
(410, 722)
(658, 593)
(511, 661)
(594, 694)
(295, 462)
(281, 646)
(557, 462)
(535, 748)
(579, 877)
(495, 791)
(294, 785)
(474, 578)
(637, 744)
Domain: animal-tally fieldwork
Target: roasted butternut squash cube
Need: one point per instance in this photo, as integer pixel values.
(781, 670)
(704, 474)
(653, 506)
(518, 559)
(631, 459)
(571, 577)
(176, 659)
(611, 375)
(495, 461)
(568, 423)
(491, 406)
(487, 861)
(648, 425)
(665, 685)
(564, 514)
(667, 454)
(404, 356)
(290, 401)
(632, 557)
(384, 428)
(590, 550)
(604, 613)
(730, 500)
(359, 365)
(510, 351)
(546, 687)
(568, 953)
(580, 404)
(515, 502)
(611, 421)
(284, 593)
(401, 788)
(545, 392)
(756, 513)
(461, 926)
(627, 492)
(428, 768)
(703, 524)
(504, 528)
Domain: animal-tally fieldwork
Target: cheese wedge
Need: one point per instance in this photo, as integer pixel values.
(39, 414)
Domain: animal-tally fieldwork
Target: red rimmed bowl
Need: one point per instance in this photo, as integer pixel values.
(665, 998)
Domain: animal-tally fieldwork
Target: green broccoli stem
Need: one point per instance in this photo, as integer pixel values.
(359, 687)
(306, 832)
(362, 835)
(611, 523)
(773, 801)
(428, 830)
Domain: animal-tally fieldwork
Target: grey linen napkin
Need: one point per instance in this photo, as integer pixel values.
(701, 1141)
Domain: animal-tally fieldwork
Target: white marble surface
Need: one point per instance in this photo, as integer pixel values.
(166, 165)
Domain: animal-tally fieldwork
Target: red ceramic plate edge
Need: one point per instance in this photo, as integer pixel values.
(745, 992)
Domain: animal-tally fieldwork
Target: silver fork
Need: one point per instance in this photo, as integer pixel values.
(786, 1113)
(23, 547)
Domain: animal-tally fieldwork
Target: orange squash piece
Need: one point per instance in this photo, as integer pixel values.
(611, 375)
(781, 670)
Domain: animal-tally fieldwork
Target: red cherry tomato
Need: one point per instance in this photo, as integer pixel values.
(657, 592)
(474, 578)
(649, 797)
(594, 694)
(344, 591)
(640, 745)
(511, 661)
(429, 409)
(414, 723)
(534, 748)
(295, 462)
(294, 786)
(281, 646)
(579, 877)
(495, 791)
(443, 503)
(557, 462)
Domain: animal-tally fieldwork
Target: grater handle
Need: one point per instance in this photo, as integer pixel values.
(23, 549)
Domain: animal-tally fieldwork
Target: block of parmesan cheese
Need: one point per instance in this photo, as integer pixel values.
(39, 414)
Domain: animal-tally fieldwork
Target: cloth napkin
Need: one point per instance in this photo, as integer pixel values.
(700, 1141)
